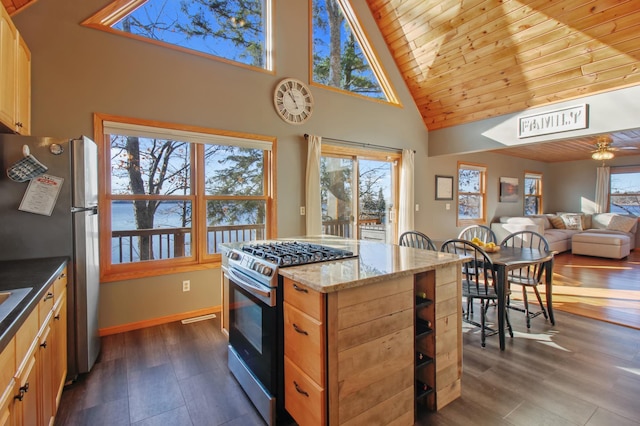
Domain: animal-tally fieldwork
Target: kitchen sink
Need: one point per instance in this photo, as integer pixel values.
(10, 299)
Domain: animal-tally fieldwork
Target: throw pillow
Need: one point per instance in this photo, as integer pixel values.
(573, 221)
(621, 223)
(557, 222)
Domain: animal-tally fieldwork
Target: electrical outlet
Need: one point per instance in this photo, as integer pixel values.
(417, 207)
(302, 211)
(447, 206)
(186, 285)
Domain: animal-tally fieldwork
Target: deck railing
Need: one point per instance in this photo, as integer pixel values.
(167, 243)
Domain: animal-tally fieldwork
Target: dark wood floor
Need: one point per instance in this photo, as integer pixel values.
(579, 372)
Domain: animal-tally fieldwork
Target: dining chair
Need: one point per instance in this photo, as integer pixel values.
(530, 276)
(483, 233)
(479, 281)
(416, 239)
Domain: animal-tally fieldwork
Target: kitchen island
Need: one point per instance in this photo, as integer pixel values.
(368, 339)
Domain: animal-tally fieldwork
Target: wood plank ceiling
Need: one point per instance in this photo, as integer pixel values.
(468, 60)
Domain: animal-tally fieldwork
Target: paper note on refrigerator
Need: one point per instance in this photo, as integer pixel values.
(41, 195)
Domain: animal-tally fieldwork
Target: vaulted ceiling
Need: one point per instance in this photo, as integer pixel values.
(468, 60)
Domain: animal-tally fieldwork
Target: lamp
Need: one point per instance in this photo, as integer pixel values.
(602, 154)
(602, 151)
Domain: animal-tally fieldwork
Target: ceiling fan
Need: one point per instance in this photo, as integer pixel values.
(604, 150)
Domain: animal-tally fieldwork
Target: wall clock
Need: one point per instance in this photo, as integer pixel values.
(293, 101)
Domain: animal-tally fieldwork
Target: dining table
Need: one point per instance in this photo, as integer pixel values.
(509, 258)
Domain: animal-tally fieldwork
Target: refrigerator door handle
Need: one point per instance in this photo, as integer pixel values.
(92, 210)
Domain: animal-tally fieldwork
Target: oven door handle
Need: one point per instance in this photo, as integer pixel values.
(237, 279)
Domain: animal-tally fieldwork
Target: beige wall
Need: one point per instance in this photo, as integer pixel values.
(77, 71)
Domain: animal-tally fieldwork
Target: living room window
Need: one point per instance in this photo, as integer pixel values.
(532, 193)
(471, 194)
(170, 195)
(624, 192)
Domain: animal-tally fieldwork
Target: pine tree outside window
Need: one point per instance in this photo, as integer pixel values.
(342, 57)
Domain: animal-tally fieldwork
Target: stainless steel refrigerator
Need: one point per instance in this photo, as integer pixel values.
(61, 220)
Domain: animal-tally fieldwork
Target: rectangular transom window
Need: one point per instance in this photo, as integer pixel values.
(170, 196)
(471, 194)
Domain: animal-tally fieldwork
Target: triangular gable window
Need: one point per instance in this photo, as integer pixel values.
(342, 55)
(234, 30)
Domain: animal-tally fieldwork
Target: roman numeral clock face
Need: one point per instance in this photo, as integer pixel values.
(293, 101)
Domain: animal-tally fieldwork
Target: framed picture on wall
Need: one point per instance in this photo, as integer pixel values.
(508, 190)
(444, 187)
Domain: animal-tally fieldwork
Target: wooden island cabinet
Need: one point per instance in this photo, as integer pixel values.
(375, 349)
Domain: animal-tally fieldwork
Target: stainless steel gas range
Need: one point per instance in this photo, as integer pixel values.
(256, 343)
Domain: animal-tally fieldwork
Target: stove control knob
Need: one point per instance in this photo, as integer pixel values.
(233, 255)
(267, 271)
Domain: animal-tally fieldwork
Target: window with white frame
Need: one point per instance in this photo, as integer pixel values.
(471, 194)
(532, 193)
(170, 196)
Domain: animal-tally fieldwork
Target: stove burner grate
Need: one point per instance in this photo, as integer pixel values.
(295, 253)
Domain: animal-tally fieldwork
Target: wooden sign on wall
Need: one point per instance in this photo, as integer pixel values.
(560, 120)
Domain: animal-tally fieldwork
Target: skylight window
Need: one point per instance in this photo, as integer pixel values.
(342, 55)
(235, 30)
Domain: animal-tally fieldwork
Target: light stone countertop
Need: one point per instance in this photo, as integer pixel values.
(375, 262)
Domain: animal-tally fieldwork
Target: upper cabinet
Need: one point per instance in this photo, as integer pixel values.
(15, 78)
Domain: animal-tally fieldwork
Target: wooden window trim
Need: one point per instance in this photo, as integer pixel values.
(539, 195)
(200, 260)
(115, 11)
(483, 193)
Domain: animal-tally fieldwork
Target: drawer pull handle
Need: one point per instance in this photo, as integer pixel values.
(300, 391)
(48, 296)
(62, 275)
(303, 290)
(43, 344)
(299, 330)
(57, 317)
(23, 389)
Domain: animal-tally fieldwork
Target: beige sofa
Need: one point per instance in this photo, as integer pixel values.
(604, 234)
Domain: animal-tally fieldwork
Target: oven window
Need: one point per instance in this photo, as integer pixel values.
(248, 319)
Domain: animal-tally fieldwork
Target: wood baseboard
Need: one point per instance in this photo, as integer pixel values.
(157, 321)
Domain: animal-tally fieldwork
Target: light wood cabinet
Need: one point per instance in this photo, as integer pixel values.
(351, 356)
(34, 364)
(15, 78)
(304, 354)
(8, 52)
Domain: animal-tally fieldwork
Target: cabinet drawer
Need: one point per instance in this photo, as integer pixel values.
(60, 283)
(7, 364)
(25, 337)
(307, 300)
(304, 399)
(46, 304)
(304, 343)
